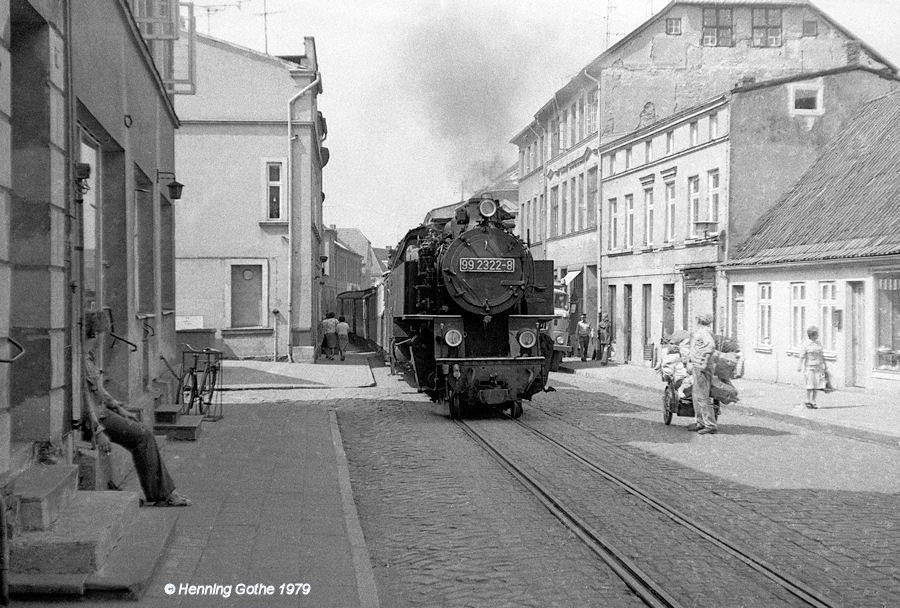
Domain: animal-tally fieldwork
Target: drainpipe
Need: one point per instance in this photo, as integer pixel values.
(290, 196)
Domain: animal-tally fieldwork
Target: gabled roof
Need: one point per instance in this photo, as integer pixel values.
(592, 69)
(847, 205)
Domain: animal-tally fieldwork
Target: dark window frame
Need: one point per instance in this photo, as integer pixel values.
(673, 26)
(767, 24)
(718, 27)
(810, 28)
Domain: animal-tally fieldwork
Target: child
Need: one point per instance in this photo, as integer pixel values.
(812, 363)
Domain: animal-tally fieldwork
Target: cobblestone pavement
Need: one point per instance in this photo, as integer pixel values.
(821, 506)
(445, 526)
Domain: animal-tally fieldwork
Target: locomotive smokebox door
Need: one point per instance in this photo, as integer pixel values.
(486, 270)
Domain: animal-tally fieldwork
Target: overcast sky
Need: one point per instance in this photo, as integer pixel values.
(423, 96)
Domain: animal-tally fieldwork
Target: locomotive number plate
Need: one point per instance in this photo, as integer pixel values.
(487, 264)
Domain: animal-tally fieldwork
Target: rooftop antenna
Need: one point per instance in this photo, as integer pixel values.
(265, 15)
(218, 8)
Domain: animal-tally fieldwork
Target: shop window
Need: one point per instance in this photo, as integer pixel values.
(887, 355)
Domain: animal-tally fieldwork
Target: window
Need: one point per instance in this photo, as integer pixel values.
(764, 322)
(648, 216)
(807, 98)
(810, 28)
(581, 131)
(274, 180)
(713, 125)
(648, 151)
(798, 314)
(670, 142)
(670, 212)
(613, 224)
(673, 27)
(767, 27)
(712, 196)
(554, 211)
(591, 112)
(612, 163)
(629, 221)
(542, 218)
(592, 197)
(717, 27)
(695, 133)
(827, 305)
(627, 158)
(887, 355)
(573, 125)
(563, 123)
(581, 203)
(693, 205)
(554, 137)
(573, 186)
(564, 207)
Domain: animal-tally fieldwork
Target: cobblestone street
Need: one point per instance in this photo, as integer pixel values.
(445, 526)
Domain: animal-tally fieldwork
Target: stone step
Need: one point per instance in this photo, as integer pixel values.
(81, 538)
(98, 471)
(126, 572)
(167, 413)
(43, 491)
(185, 428)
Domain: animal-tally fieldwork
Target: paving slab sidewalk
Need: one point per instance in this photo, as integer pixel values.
(354, 372)
(848, 412)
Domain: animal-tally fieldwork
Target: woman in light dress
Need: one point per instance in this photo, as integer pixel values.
(812, 364)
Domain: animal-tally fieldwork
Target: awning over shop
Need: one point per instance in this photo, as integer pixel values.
(570, 276)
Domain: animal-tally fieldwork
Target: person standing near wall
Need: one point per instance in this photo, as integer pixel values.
(329, 329)
(812, 364)
(583, 331)
(604, 335)
(343, 334)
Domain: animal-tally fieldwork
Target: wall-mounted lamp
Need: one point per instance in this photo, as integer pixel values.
(175, 187)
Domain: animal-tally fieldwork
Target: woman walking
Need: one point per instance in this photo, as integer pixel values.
(343, 334)
(812, 364)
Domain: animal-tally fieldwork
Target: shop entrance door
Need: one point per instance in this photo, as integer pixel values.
(857, 372)
(627, 323)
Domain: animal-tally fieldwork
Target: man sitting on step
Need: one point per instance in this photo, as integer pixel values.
(111, 422)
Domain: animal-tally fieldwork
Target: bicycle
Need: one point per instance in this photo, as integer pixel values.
(199, 380)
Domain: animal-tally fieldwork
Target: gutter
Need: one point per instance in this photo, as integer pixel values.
(290, 196)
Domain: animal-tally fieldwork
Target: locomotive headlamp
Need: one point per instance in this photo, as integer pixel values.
(560, 340)
(453, 338)
(527, 338)
(487, 208)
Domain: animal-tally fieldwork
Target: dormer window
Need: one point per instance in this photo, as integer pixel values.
(767, 27)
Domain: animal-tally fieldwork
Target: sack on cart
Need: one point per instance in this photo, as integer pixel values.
(723, 390)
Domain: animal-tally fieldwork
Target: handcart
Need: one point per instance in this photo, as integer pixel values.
(673, 369)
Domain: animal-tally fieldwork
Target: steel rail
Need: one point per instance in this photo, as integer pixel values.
(640, 583)
(792, 585)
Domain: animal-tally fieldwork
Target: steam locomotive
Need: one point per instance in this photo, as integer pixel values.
(468, 304)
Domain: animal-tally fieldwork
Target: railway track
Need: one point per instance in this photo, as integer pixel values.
(651, 592)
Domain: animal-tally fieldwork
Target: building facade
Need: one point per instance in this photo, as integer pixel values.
(681, 192)
(828, 255)
(355, 239)
(245, 267)
(683, 56)
(87, 127)
(341, 270)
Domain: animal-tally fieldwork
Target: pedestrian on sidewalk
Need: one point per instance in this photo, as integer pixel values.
(329, 329)
(343, 334)
(604, 335)
(812, 364)
(583, 330)
(703, 344)
(111, 422)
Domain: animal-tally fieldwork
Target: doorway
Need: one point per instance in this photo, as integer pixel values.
(627, 322)
(646, 320)
(857, 370)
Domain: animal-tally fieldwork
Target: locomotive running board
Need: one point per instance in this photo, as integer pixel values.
(476, 360)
